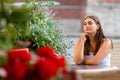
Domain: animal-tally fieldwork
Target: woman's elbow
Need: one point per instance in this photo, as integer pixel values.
(92, 61)
(78, 61)
(95, 62)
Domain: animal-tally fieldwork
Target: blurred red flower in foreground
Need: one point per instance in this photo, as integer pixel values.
(47, 66)
(46, 69)
(22, 55)
(16, 71)
(46, 52)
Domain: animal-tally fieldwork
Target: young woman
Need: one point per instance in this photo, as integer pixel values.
(92, 47)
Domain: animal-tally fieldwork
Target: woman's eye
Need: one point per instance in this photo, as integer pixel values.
(90, 23)
(85, 23)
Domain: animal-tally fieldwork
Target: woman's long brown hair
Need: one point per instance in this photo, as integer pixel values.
(98, 37)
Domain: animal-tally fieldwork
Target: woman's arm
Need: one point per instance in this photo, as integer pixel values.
(79, 50)
(103, 51)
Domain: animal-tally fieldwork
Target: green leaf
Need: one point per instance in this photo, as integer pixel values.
(7, 1)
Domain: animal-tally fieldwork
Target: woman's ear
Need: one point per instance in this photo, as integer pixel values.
(98, 27)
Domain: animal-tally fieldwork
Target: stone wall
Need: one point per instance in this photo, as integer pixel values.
(70, 13)
(108, 13)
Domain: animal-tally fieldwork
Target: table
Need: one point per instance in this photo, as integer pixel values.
(97, 72)
(93, 68)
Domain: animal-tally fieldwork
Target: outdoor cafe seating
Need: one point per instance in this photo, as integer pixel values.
(101, 72)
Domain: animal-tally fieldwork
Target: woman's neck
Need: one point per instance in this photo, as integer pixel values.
(92, 37)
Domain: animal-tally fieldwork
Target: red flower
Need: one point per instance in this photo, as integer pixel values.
(60, 62)
(46, 69)
(16, 71)
(19, 54)
(45, 52)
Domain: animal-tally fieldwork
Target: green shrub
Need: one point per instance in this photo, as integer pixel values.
(32, 21)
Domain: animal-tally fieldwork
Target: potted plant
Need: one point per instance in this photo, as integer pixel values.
(40, 28)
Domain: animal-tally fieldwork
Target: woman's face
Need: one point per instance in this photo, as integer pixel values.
(90, 27)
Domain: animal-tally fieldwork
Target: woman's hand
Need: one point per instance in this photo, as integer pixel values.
(79, 49)
(84, 36)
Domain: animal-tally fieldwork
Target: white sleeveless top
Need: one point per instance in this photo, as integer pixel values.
(105, 61)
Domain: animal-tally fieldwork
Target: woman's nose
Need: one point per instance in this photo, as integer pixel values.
(87, 25)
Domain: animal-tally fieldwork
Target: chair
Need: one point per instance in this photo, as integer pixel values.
(115, 54)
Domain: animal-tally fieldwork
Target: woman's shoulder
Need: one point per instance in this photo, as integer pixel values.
(106, 40)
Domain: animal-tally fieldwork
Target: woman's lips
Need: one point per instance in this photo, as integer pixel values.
(87, 29)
